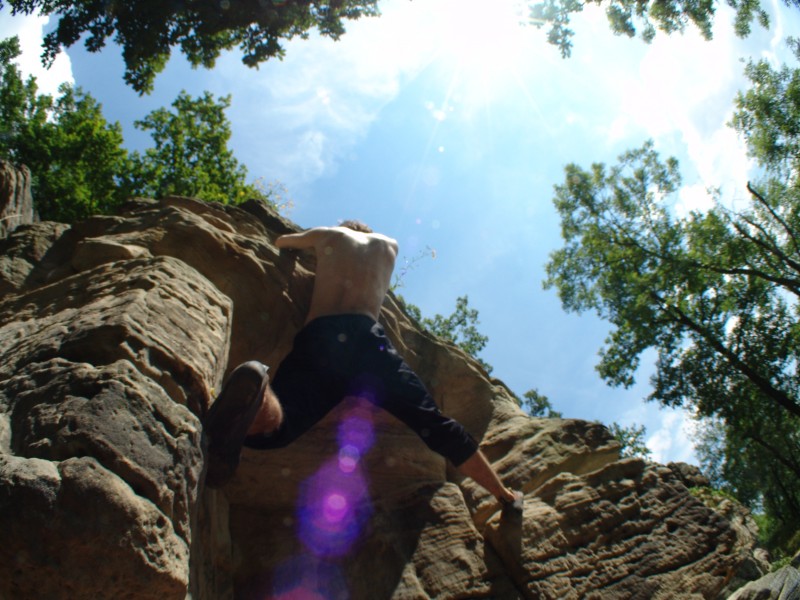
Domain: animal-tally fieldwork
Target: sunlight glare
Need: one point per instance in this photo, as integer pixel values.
(484, 42)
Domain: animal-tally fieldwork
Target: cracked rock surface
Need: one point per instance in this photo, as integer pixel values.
(116, 332)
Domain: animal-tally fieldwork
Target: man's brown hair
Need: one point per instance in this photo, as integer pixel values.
(356, 226)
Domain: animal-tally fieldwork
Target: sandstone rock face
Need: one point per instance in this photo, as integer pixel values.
(756, 562)
(22, 250)
(16, 204)
(783, 584)
(115, 334)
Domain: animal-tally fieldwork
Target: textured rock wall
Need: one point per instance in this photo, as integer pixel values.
(114, 334)
(783, 584)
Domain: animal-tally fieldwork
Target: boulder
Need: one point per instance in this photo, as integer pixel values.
(23, 249)
(116, 333)
(783, 584)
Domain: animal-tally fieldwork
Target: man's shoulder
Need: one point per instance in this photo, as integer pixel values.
(321, 237)
(384, 238)
(358, 235)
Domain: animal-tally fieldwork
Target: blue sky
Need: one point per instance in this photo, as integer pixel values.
(446, 126)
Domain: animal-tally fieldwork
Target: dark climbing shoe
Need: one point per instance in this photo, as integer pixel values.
(229, 418)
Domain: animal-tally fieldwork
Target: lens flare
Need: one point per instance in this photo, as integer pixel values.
(348, 458)
(300, 593)
(335, 508)
(356, 431)
(334, 504)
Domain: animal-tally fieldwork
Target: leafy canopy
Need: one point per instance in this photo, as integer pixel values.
(631, 440)
(190, 154)
(629, 17)
(538, 405)
(74, 154)
(715, 294)
(78, 163)
(768, 117)
(459, 328)
(147, 30)
(758, 465)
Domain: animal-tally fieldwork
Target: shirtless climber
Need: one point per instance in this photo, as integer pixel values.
(342, 351)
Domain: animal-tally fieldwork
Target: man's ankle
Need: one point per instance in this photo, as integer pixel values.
(268, 419)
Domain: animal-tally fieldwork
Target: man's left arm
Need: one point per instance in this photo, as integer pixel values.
(301, 241)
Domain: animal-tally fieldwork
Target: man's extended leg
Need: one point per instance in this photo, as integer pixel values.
(407, 398)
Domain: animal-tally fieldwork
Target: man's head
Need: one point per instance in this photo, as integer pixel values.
(356, 226)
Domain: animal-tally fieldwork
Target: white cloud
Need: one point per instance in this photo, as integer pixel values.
(720, 158)
(693, 197)
(672, 440)
(334, 91)
(619, 129)
(784, 22)
(30, 30)
(321, 100)
(686, 86)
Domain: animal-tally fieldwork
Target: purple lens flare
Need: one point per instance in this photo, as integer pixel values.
(334, 502)
(333, 506)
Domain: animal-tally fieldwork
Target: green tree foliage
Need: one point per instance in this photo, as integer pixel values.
(749, 471)
(631, 440)
(538, 405)
(715, 294)
(74, 154)
(459, 328)
(147, 31)
(80, 167)
(629, 17)
(768, 116)
(190, 155)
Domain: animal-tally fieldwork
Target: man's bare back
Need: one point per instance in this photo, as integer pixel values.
(354, 269)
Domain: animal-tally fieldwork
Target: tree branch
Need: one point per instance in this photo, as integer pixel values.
(778, 454)
(624, 238)
(767, 248)
(789, 231)
(762, 383)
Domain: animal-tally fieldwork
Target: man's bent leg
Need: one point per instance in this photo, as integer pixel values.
(477, 468)
(230, 417)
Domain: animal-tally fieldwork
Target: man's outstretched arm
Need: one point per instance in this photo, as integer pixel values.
(477, 468)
